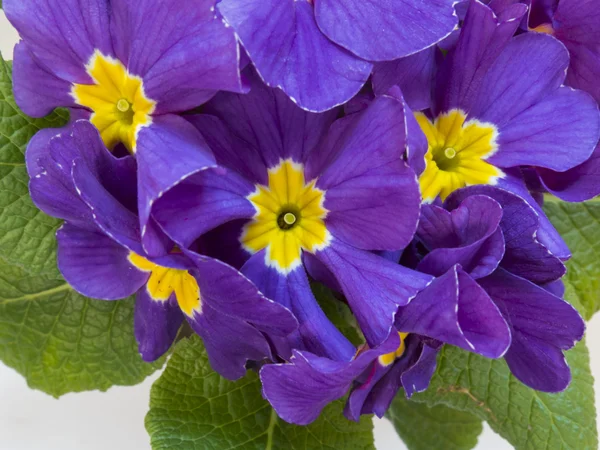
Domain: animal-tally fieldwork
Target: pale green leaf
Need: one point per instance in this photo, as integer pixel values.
(193, 408)
(525, 418)
(63, 342)
(436, 428)
(579, 225)
(26, 233)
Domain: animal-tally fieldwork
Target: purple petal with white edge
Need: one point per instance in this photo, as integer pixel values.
(577, 184)
(52, 188)
(417, 378)
(482, 39)
(202, 202)
(95, 265)
(111, 216)
(559, 132)
(524, 254)
(38, 147)
(373, 286)
(383, 30)
(289, 51)
(264, 126)
(542, 325)
(232, 294)
(300, 390)
(362, 391)
(555, 287)
(374, 393)
(468, 236)
(530, 67)
(37, 90)
(547, 235)
(577, 25)
(182, 50)
(64, 35)
(371, 194)
(156, 324)
(316, 333)
(167, 151)
(584, 67)
(229, 341)
(455, 310)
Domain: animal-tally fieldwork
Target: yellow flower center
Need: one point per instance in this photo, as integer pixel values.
(164, 281)
(389, 358)
(289, 218)
(117, 99)
(456, 154)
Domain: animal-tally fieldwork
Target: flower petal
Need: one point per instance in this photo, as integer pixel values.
(156, 324)
(184, 53)
(202, 202)
(542, 325)
(373, 286)
(316, 333)
(382, 30)
(168, 150)
(95, 265)
(63, 35)
(282, 39)
(454, 309)
(372, 196)
(37, 90)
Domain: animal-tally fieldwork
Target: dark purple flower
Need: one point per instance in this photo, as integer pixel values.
(319, 52)
(499, 105)
(101, 256)
(129, 67)
(297, 188)
(576, 23)
(490, 293)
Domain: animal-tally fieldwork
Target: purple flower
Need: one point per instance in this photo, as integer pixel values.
(496, 293)
(101, 256)
(296, 188)
(499, 105)
(491, 293)
(576, 23)
(130, 67)
(318, 52)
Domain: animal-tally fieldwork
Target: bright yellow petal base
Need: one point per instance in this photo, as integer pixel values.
(389, 358)
(289, 217)
(119, 105)
(164, 281)
(456, 154)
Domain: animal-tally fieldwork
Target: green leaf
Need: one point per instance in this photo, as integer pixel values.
(526, 418)
(436, 428)
(338, 312)
(192, 407)
(63, 342)
(579, 225)
(26, 234)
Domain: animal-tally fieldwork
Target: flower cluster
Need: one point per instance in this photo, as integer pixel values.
(222, 155)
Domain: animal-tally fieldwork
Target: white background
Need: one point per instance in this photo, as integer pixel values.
(32, 420)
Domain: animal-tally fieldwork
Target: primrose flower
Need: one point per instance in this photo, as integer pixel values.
(101, 256)
(493, 292)
(128, 66)
(300, 389)
(576, 23)
(499, 105)
(319, 52)
(296, 188)
(496, 293)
